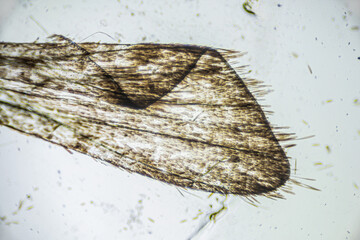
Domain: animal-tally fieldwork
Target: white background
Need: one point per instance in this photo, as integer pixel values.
(75, 197)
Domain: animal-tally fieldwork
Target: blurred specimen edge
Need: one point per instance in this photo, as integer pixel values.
(176, 113)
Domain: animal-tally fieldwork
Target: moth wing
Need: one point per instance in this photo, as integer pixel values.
(195, 123)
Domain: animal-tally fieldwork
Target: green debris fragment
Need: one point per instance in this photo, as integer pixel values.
(197, 216)
(30, 207)
(248, 8)
(21, 203)
(326, 166)
(328, 149)
(151, 220)
(213, 216)
(12, 222)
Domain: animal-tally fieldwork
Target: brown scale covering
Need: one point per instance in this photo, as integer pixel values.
(177, 113)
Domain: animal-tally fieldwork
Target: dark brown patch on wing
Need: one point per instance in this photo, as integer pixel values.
(145, 73)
